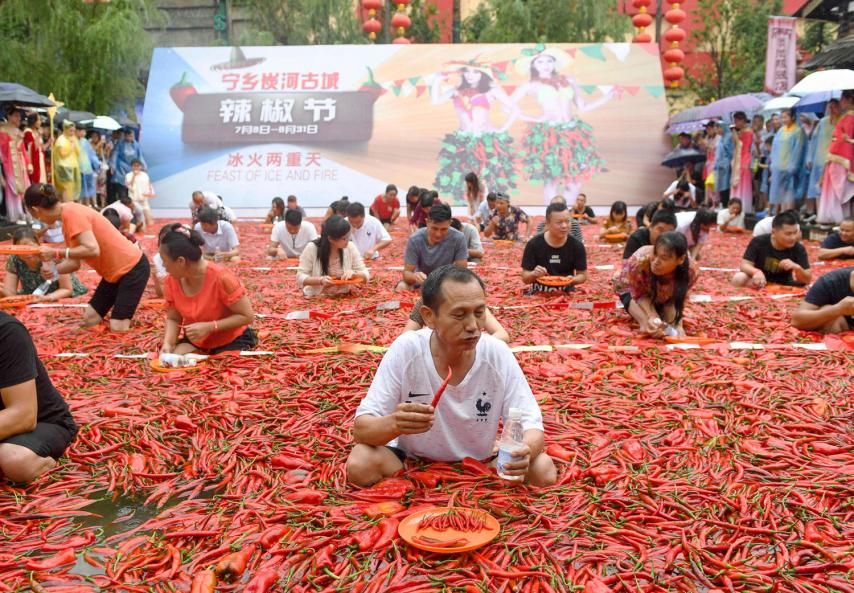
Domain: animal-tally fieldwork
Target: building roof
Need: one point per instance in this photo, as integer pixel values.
(839, 54)
(819, 10)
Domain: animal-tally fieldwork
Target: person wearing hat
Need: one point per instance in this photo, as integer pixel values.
(15, 163)
(476, 140)
(66, 162)
(125, 152)
(557, 139)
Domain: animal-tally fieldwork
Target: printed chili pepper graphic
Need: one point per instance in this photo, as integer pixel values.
(181, 91)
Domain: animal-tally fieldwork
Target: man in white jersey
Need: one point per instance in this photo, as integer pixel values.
(396, 420)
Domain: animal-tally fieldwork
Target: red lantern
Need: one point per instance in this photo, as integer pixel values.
(642, 20)
(641, 3)
(674, 35)
(400, 20)
(372, 26)
(674, 16)
(401, 41)
(674, 74)
(642, 38)
(372, 4)
(674, 55)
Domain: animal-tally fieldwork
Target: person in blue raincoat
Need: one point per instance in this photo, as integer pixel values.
(723, 164)
(807, 122)
(90, 164)
(125, 152)
(787, 155)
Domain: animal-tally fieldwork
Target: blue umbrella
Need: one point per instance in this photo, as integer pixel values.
(747, 103)
(816, 102)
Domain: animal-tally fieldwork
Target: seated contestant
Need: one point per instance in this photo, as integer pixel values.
(554, 253)
(696, 230)
(776, 257)
(829, 304)
(29, 272)
(91, 238)
(396, 420)
(367, 233)
(131, 216)
(158, 270)
(337, 208)
(645, 214)
(484, 210)
(654, 283)
(277, 211)
(505, 220)
(292, 205)
(426, 200)
(207, 301)
(618, 220)
(221, 242)
(683, 193)
(35, 424)
(731, 218)
(386, 207)
(331, 256)
(208, 199)
(574, 227)
(413, 196)
(290, 236)
(582, 212)
(663, 221)
(763, 227)
(839, 244)
(472, 236)
(432, 247)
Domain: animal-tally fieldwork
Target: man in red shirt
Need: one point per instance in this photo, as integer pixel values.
(386, 207)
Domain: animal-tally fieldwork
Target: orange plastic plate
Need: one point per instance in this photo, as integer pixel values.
(153, 303)
(504, 242)
(408, 529)
(159, 367)
(699, 340)
(616, 237)
(14, 302)
(19, 250)
(353, 280)
(555, 280)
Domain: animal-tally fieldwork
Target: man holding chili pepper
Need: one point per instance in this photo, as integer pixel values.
(396, 420)
(35, 423)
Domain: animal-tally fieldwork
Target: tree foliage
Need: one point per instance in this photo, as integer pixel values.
(425, 26)
(302, 22)
(552, 21)
(89, 55)
(734, 33)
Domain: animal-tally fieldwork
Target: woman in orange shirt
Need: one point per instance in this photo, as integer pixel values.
(90, 237)
(207, 301)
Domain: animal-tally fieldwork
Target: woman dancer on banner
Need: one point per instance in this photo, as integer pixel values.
(787, 155)
(477, 141)
(559, 148)
(15, 163)
(35, 148)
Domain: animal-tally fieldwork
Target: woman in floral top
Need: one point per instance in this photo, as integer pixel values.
(26, 271)
(505, 221)
(654, 283)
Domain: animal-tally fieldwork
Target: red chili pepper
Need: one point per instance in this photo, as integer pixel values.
(306, 495)
(233, 565)
(204, 582)
(262, 581)
(383, 509)
(557, 452)
(288, 462)
(323, 557)
(273, 535)
(62, 558)
(184, 423)
(366, 538)
(441, 390)
(80, 541)
(387, 530)
(426, 478)
(597, 586)
(473, 466)
(387, 489)
(181, 91)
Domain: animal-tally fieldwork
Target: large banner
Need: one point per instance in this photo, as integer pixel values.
(322, 122)
(780, 54)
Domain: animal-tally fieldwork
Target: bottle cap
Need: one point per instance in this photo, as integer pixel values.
(515, 413)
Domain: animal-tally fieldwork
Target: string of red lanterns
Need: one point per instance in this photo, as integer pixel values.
(401, 22)
(674, 36)
(641, 21)
(372, 26)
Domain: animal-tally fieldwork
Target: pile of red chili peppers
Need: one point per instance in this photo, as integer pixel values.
(704, 470)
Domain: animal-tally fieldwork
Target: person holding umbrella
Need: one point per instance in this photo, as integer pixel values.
(91, 238)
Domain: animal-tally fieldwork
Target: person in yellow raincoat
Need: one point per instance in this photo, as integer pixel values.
(66, 164)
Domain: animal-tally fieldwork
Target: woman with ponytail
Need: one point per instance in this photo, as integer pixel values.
(208, 302)
(329, 257)
(91, 238)
(653, 285)
(696, 231)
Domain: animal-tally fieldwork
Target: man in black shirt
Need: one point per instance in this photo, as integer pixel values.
(839, 245)
(663, 221)
(776, 257)
(829, 304)
(35, 423)
(582, 212)
(554, 253)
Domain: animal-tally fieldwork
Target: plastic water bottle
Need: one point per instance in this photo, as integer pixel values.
(511, 440)
(44, 287)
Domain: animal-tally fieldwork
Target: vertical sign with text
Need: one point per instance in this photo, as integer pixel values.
(780, 55)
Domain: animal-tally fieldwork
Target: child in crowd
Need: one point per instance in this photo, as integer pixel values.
(140, 190)
(26, 273)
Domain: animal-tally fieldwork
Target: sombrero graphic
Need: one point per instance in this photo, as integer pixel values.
(237, 60)
(460, 65)
(523, 64)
